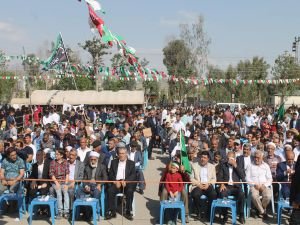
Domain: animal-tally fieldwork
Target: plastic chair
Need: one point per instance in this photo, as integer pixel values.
(171, 205)
(102, 200)
(51, 202)
(133, 202)
(18, 196)
(282, 204)
(223, 204)
(249, 201)
(92, 202)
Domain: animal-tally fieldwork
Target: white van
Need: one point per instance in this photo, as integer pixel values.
(232, 106)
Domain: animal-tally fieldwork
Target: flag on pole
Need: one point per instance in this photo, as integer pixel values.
(96, 21)
(281, 112)
(58, 55)
(184, 158)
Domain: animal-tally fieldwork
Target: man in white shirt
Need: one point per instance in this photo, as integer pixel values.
(121, 171)
(177, 126)
(259, 178)
(83, 149)
(54, 117)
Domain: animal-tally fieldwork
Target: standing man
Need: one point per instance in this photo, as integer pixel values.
(152, 123)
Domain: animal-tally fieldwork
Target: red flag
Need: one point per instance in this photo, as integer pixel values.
(97, 21)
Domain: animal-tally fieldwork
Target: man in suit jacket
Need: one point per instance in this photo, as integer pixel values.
(203, 177)
(40, 170)
(136, 156)
(76, 168)
(230, 172)
(295, 122)
(121, 170)
(94, 171)
(152, 123)
(285, 171)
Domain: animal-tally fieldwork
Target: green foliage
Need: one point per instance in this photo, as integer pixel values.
(286, 67)
(96, 49)
(178, 60)
(118, 61)
(6, 87)
(67, 83)
(2, 60)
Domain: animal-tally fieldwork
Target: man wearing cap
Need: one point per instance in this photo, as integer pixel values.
(121, 172)
(76, 168)
(237, 148)
(93, 172)
(271, 159)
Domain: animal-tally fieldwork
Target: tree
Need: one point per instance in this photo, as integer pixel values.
(178, 60)
(255, 69)
(6, 86)
(97, 51)
(66, 83)
(2, 60)
(32, 70)
(286, 67)
(151, 87)
(197, 41)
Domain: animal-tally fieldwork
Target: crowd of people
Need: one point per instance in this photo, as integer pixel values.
(68, 152)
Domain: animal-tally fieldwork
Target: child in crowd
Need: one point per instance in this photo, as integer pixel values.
(174, 189)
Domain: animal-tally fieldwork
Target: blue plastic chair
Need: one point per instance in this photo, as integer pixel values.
(92, 202)
(18, 196)
(249, 201)
(282, 204)
(102, 200)
(52, 203)
(171, 205)
(223, 204)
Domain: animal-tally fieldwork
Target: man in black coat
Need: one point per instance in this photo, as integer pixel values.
(121, 171)
(229, 173)
(40, 170)
(152, 123)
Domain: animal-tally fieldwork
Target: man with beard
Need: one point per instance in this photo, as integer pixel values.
(94, 171)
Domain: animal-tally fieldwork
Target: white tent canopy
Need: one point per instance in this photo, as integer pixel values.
(56, 97)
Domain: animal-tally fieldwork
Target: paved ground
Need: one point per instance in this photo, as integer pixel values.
(147, 205)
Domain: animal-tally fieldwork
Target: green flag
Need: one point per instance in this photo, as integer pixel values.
(184, 158)
(281, 112)
(58, 55)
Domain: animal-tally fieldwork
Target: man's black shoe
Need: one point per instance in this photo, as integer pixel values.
(110, 215)
(242, 219)
(225, 219)
(128, 215)
(265, 216)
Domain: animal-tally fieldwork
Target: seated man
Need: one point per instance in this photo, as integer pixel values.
(40, 170)
(76, 168)
(259, 176)
(230, 172)
(12, 171)
(203, 177)
(121, 170)
(285, 171)
(94, 171)
(136, 157)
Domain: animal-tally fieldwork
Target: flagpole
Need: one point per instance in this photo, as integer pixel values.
(69, 65)
(180, 149)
